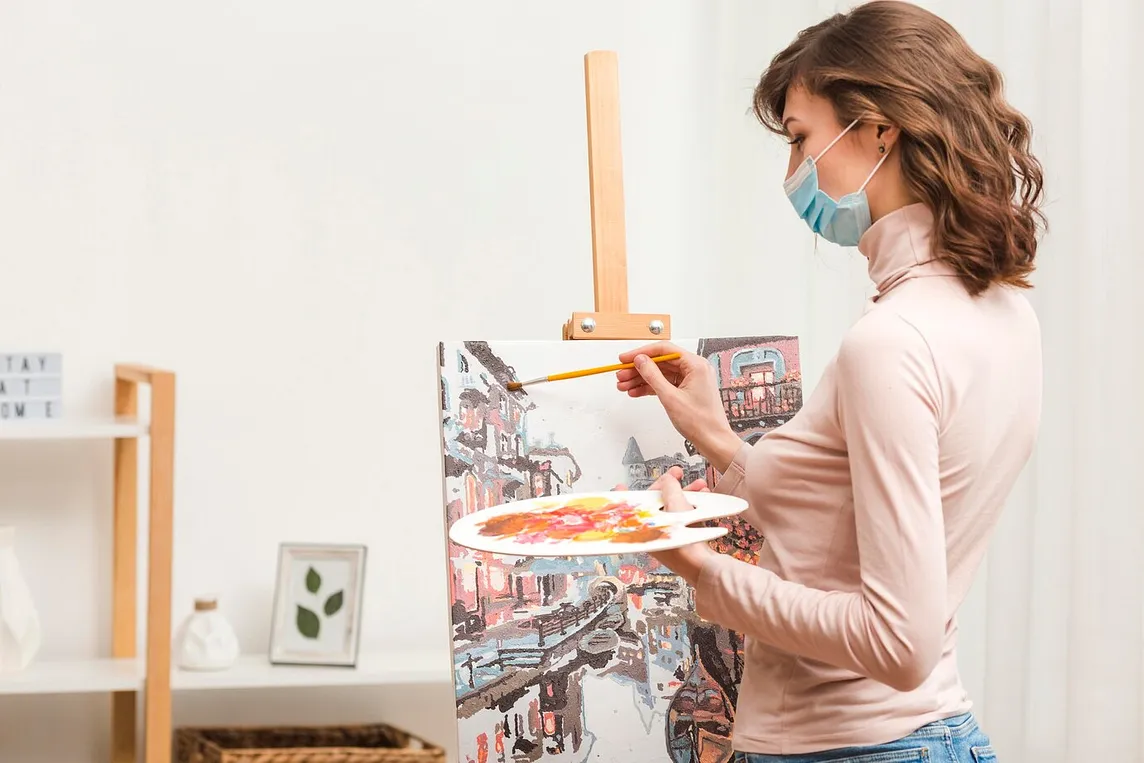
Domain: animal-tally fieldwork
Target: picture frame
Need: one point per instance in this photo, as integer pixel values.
(318, 604)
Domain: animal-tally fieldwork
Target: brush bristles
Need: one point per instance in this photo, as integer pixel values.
(514, 386)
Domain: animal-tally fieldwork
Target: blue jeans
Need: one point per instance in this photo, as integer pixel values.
(953, 740)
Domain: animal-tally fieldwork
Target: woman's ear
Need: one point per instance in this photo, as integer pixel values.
(887, 136)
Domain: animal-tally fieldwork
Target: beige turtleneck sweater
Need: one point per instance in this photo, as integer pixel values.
(877, 502)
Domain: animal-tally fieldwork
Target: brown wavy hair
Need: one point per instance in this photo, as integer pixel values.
(964, 151)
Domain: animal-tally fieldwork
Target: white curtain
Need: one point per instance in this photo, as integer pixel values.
(1052, 637)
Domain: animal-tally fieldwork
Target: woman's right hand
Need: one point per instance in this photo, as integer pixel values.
(689, 393)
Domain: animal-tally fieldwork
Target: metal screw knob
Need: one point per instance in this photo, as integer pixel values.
(588, 325)
(656, 326)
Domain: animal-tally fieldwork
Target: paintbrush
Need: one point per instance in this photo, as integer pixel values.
(515, 385)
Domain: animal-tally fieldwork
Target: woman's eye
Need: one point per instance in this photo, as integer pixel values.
(796, 141)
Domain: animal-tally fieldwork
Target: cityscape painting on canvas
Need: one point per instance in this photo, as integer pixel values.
(594, 658)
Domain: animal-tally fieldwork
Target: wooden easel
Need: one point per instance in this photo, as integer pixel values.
(611, 319)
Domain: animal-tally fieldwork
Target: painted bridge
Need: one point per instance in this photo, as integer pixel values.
(519, 662)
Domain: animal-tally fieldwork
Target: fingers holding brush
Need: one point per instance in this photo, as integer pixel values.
(688, 390)
(630, 380)
(635, 383)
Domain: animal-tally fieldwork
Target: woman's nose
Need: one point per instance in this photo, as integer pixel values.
(792, 164)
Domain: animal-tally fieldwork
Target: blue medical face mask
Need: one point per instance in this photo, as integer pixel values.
(843, 221)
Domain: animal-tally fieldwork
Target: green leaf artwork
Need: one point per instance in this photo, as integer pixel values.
(333, 604)
(308, 623)
(313, 581)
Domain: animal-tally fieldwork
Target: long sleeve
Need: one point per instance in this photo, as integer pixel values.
(731, 482)
(891, 629)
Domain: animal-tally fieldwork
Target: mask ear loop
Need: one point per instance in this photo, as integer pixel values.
(870, 177)
(830, 145)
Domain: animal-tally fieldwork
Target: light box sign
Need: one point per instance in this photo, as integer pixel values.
(31, 385)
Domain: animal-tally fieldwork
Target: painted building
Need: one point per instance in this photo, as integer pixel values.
(760, 381)
(642, 472)
(488, 460)
(554, 469)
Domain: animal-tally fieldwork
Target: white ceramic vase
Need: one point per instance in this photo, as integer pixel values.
(20, 636)
(206, 640)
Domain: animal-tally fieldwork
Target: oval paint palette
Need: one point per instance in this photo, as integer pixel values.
(593, 524)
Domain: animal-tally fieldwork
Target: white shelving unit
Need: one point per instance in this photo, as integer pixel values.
(256, 672)
(96, 676)
(250, 672)
(123, 674)
(109, 428)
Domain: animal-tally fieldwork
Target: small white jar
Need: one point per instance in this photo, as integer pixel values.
(206, 640)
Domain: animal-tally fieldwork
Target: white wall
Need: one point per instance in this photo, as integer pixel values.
(289, 203)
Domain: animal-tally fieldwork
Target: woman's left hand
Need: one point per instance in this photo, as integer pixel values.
(687, 561)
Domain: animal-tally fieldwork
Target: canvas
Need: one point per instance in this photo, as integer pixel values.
(589, 658)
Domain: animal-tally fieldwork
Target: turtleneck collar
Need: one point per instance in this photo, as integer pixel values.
(898, 245)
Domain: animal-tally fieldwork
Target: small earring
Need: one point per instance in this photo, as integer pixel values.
(881, 148)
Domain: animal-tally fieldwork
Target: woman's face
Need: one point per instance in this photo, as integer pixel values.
(811, 124)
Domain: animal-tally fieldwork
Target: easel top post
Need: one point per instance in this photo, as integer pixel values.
(611, 320)
(606, 181)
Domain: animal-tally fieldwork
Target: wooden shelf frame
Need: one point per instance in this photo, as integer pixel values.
(161, 500)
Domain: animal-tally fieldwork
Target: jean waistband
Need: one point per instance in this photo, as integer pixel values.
(957, 726)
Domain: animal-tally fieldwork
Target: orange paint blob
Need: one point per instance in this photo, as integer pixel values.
(588, 519)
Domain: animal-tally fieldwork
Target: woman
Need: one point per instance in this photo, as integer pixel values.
(878, 498)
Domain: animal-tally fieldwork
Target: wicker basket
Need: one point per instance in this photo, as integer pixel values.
(374, 743)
